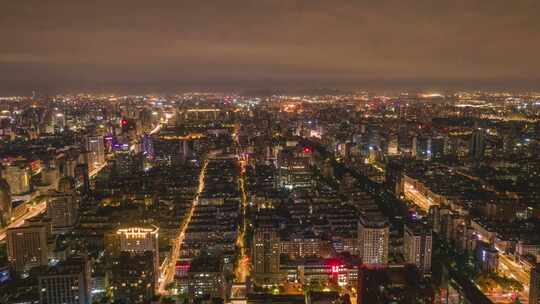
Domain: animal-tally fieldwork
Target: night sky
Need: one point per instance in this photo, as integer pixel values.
(61, 46)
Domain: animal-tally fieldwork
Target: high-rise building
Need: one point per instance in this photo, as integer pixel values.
(373, 236)
(487, 257)
(50, 176)
(477, 145)
(138, 241)
(147, 146)
(394, 178)
(266, 250)
(5, 203)
(27, 245)
(82, 176)
(392, 147)
(294, 168)
(69, 282)
(67, 167)
(62, 209)
(96, 151)
(417, 246)
(18, 176)
(63, 205)
(438, 146)
(205, 278)
(534, 287)
(421, 147)
(133, 277)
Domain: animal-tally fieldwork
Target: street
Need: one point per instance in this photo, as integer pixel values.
(168, 271)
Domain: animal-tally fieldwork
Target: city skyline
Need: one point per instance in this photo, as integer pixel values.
(269, 151)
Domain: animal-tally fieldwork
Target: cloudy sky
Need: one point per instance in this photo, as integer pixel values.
(57, 45)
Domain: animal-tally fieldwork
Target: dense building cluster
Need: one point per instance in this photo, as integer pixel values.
(212, 198)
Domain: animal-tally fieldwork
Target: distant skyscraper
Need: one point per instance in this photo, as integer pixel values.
(81, 172)
(534, 287)
(27, 245)
(392, 148)
(62, 207)
(266, 250)
(66, 283)
(373, 138)
(417, 246)
(421, 147)
(17, 176)
(50, 176)
(147, 146)
(294, 168)
(394, 178)
(438, 147)
(96, 151)
(373, 236)
(477, 144)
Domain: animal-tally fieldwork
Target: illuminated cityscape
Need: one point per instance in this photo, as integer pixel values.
(277, 152)
(232, 198)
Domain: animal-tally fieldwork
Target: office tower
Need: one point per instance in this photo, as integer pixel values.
(5, 203)
(534, 287)
(59, 120)
(487, 257)
(140, 240)
(50, 176)
(434, 218)
(266, 250)
(47, 125)
(294, 168)
(63, 205)
(438, 146)
(417, 246)
(17, 176)
(205, 278)
(69, 282)
(477, 144)
(392, 148)
(135, 270)
(27, 245)
(186, 149)
(422, 147)
(394, 178)
(146, 118)
(373, 235)
(96, 151)
(133, 279)
(147, 146)
(82, 176)
(69, 166)
(373, 138)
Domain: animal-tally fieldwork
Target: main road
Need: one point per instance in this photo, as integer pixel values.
(241, 271)
(169, 267)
